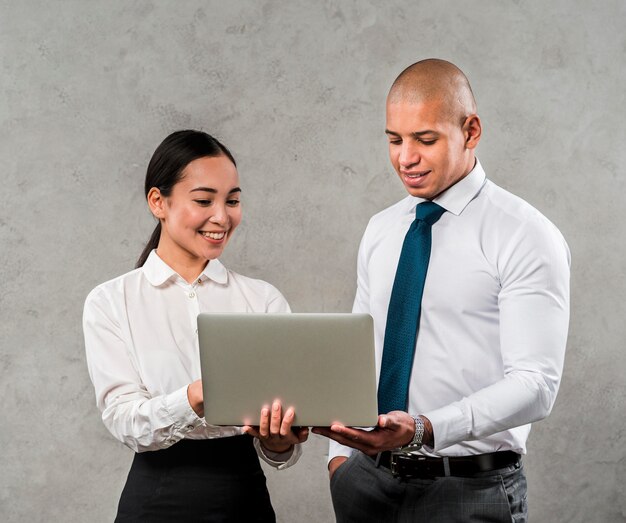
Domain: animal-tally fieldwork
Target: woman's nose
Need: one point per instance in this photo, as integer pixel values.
(219, 216)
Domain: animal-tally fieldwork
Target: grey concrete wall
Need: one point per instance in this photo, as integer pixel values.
(296, 89)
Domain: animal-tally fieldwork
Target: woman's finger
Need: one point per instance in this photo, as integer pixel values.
(264, 425)
(275, 420)
(285, 426)
(250, 431)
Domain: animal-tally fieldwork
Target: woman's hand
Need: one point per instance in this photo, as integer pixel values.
(275, 431)
(195, 397)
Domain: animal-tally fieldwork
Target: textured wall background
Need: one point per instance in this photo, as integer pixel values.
(296, 89)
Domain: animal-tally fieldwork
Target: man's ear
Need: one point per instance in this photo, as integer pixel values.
(472, 128)
(156, 202)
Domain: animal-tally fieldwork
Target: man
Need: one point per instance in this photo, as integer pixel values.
(467, 368)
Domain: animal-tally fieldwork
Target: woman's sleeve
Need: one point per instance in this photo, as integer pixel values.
(275, 301)
(129, 412)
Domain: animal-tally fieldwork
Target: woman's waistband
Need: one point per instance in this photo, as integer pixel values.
(233, 451)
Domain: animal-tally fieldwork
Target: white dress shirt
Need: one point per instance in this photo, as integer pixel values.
(142, 349)
(495, 312)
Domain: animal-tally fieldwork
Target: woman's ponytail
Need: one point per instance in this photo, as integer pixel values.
(152, 244)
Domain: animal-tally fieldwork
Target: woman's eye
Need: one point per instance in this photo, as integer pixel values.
(233, 203)
(203, 202)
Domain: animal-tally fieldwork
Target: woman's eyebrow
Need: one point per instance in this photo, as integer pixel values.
(214, 191)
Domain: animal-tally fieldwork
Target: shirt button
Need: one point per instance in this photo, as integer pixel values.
(199, 281)
(192, 294)
(190, 427)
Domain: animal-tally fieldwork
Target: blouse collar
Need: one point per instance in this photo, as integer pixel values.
(158, 272)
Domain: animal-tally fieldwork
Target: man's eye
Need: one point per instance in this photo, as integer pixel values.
(395, 142)
(428, 142)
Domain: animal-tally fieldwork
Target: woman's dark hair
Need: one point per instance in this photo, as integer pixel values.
(167, 164)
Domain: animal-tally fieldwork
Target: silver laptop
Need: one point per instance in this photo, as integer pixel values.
(321, 364)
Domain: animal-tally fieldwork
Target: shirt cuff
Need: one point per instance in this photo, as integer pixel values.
(278, 460)
(183, 417)
(450, 424)
(337, 449)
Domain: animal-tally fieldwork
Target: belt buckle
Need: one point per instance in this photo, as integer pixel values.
(395, 465)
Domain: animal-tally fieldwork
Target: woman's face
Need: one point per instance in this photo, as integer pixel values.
(201, 213)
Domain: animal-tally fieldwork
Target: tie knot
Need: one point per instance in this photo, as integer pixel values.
(429, 212)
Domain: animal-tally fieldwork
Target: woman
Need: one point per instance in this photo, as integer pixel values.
(142, 353)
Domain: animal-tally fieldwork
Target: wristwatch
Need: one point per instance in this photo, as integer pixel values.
(416, 442)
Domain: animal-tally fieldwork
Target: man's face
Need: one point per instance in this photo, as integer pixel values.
(429, 149)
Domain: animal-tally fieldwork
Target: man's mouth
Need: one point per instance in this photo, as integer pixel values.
(414, 174)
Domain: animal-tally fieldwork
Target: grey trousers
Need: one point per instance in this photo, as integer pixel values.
(361, 493)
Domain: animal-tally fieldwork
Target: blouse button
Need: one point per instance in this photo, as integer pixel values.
(192, 294)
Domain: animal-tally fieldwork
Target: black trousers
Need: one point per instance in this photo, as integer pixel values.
(216, 480)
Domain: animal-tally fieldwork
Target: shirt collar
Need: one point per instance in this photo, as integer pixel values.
(158, 272)
(215, 271)
(457, 197)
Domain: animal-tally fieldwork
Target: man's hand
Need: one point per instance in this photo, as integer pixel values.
(334, 464)
(275, 431)
(393, 430)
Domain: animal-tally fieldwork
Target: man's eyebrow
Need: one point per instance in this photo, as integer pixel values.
(415, 134)
(214, 191)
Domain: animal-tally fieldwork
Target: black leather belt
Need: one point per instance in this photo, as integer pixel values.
(414, 466)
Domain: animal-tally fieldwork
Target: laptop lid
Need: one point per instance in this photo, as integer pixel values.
(321, 364)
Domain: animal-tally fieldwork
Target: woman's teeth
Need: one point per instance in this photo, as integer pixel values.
(213, 235)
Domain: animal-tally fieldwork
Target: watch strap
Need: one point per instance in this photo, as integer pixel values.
(416, 442)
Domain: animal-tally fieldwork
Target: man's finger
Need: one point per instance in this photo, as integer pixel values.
(361, 445)
(303, 434)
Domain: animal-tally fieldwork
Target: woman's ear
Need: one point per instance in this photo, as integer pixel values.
(156, 202)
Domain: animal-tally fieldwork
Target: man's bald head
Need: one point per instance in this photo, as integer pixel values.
(435, 80)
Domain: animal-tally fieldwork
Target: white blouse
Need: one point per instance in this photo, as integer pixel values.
(142, 349)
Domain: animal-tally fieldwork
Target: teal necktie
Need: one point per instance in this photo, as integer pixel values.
(403, 316)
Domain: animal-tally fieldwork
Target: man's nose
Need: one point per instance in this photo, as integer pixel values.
(409, 154)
